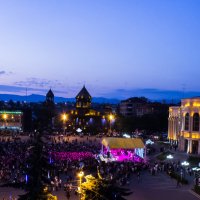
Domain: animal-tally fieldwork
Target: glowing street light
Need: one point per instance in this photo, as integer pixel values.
(185, 163)
(80, 175)
(170, 157)
(64, 118)
(5, 116)
(111, 118)
(196, 169)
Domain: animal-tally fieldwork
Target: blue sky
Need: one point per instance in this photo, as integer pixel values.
(114, 47)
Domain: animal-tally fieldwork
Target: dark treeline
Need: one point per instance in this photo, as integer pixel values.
(155, 121)
(48, 116)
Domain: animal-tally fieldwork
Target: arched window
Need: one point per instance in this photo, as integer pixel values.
(196, 122)
(187, 118)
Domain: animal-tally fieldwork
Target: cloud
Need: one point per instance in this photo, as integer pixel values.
(10, 88)
(22, 90)
(22, 87)
(2, 72)
(41, 83)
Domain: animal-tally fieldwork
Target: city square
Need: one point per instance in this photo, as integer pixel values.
(99, 100)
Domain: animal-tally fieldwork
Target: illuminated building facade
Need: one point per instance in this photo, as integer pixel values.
(83, 116)
(11, 120)
(184, 125)
(83, 101)
(174, 124)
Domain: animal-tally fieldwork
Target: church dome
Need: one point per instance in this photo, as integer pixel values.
(83, 94)
(50, 93)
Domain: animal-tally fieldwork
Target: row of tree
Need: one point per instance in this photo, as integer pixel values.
(48, 115)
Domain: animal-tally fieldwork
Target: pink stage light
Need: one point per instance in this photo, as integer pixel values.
(122, 155)
(71, 156)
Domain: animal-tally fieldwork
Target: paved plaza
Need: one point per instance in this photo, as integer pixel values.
(159, 187)
(149, 187)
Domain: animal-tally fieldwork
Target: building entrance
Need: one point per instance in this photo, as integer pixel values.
(186, 145)
(195, 147)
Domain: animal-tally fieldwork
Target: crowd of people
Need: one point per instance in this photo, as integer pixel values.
(121, 172)
(12, 157)
(14, 154)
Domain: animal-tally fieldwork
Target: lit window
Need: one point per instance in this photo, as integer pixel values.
(196, 122)
(187, 118)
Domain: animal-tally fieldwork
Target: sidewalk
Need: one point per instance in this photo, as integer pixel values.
(179, 156)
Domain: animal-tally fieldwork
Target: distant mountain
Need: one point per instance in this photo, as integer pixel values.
(105, 100)
(40, 98)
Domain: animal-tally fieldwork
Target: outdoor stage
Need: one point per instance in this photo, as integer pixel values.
(122, 150)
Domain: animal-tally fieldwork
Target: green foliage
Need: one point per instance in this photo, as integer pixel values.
(193, 160)
(150, 122)
(197, 189)
(101, 189)
(37, 171)
(43, 115)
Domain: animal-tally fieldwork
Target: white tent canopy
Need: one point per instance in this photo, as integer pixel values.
(78, 130)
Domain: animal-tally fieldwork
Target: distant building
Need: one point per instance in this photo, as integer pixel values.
(49, 110)
(50, 97)
(11, 120)
(135, 107)
(184, 125)
(84, 116)
(174, 124)
(83, 101)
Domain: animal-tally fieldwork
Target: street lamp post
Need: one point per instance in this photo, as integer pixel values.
(80, 175)
(64, 118)
(185, 164)
(111, 117)
(5, 116)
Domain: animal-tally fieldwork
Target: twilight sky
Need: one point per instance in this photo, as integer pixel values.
(117, 48)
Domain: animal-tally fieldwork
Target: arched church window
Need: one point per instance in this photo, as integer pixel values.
(187, 118)
(196, 122)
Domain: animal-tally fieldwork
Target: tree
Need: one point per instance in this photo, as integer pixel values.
(102, 189)
(37, 172)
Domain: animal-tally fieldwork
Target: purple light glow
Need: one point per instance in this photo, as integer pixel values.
(72, 156)
(103, 121)
(91, 121)
(122, 155)
(26, 178)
